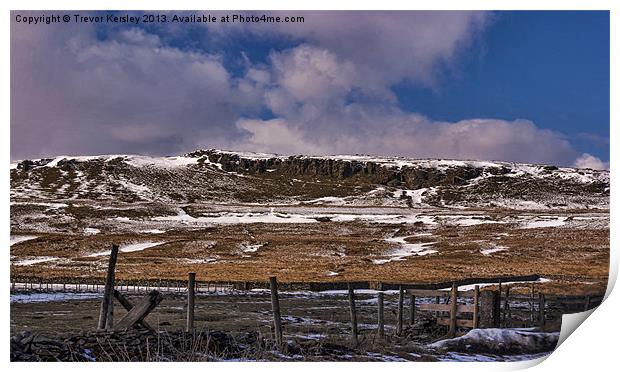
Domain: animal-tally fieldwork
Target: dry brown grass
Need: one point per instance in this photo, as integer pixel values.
(307, 252)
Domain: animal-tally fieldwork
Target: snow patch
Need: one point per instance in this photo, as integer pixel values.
(545, 221)
(405, 250)
(497, 248)
(35, 260)
(161, 162)
(135, 247)
(501, 341)
(16, 239)
(91, 231)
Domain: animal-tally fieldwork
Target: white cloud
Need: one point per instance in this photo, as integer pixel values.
(132, 93)
(589, 161)
(381, 131)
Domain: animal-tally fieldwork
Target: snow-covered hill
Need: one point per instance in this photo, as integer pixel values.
(207, 176)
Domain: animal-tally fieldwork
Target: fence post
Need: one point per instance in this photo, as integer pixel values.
(106, 314)
(476, 305)
(500, 303)
(587, 304)
(380, 318)
(412, 311)
(532, 303)
(399, 321)
(453, 309)
(541, 309)
(191, 283)
(353, 314)
(507, 308)
(275, 305)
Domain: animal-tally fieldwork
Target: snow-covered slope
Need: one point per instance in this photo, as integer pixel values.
(206, 176)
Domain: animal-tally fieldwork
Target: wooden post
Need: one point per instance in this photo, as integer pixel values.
(106, 314)
(380, 318)
(532, 303)
(541, 309)
(587, 304)
(507, 307)
(399, 321)
(191, 285)
(128, 306)
(353, 314)
(453, 309)
(476, 306)
(275, 306)
(412, 311)
(500, 303)
(140, 311)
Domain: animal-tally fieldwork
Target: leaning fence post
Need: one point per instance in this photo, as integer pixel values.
(191, 283)
(453, 309)
(412, 311)
(399, 321)
(275, 305)
(353, 314)
(541, 309)
(380, 318)
(106, 314)
(476, 305)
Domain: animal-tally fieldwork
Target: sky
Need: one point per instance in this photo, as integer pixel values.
(512, 86)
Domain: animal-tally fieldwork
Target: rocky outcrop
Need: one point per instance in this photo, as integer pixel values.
(369, 171)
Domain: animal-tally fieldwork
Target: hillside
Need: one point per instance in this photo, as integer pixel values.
(207, 176)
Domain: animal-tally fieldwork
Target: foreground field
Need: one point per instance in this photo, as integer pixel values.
(316, 327)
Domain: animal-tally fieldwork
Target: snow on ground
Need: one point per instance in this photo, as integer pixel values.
(153, 231)
(452, 356)
(248, 247)
(140, 190)
(16, 239)
(466, 220)
(135, 247)
(501, 341)
(238, 218)
(42, 204)
(91, 231)
(34, 260)
(544, 221)
(405, 250)
(415, 195)
(497, 248)
(52, 296)
(471, 287)
(334, 200)
(161, 162)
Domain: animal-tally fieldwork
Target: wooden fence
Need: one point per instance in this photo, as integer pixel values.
(454, 309)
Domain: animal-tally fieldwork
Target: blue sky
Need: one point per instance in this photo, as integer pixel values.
(513, 86)
(549, 67)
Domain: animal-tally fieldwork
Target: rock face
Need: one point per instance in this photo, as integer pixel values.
(370, 171)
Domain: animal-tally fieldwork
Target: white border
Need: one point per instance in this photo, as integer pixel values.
(592, 346)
